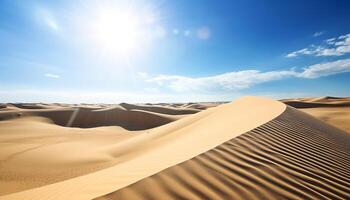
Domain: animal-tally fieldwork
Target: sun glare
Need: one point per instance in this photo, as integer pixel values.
(118, 32)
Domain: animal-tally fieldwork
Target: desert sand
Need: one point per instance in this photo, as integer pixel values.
(251, 148)
(333, 110)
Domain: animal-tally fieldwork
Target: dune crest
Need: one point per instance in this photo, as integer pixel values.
(333, 110)
(294, 156)
(252, 148)
(128, 116)
(162, 147)
(318, 102)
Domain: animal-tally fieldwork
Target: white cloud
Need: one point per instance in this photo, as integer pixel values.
(304, 51)
(330, 40)
(227, 81)
(326, 69)
(203, 33)
(52, 75)
(316, 34)
(332, 47)
(244, 79)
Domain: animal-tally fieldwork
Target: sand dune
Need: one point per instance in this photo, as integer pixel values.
(318, 102)
(252, 148)
(35, 152)
(201, 106)
(160, 109)
(291, 157)
(146, 154)
(6, 107)
(32, 106)
(128, 116)
(305, 104)
(333, 110)
(339, 117)
(31, 140)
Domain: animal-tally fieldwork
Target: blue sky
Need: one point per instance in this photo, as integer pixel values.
(172, 51)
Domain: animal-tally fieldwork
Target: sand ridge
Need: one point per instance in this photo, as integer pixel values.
(128, 116)
(318, 102)
(251, 148)
(333, 110)
(291, 157)
(147, 154)
(35, 152)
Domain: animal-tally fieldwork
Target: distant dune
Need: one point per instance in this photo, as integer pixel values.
(252, 148)
(333, 110)
(318, 102)
(128, 116)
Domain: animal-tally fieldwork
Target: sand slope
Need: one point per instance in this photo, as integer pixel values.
(252, 148)
(160, 109)
(318, 102)
(128, 116)
(159, 148)
(38, 145)
(291, 157)
(35, 152)
(333, 110)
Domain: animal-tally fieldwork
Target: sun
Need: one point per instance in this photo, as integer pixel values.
(118, 32)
